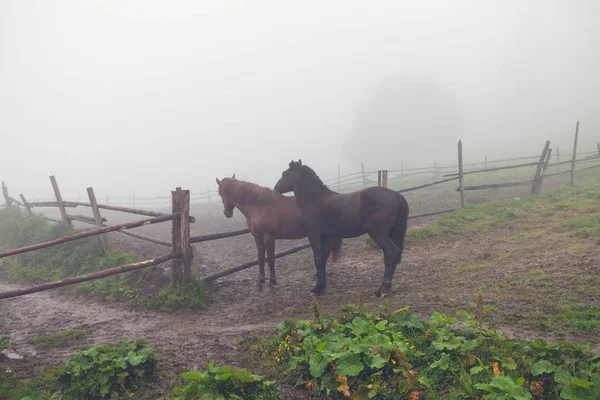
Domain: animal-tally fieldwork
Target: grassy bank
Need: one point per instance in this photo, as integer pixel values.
(146, 288)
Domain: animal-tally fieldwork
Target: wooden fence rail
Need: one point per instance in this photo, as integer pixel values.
(83, 278)
(253, 263)
(215, 236)
(86, 234)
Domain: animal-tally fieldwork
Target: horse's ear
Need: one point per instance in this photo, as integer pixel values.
(233, 176)
(299, 162)
(218, 182)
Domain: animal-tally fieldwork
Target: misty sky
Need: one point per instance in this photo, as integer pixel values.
(143, 96)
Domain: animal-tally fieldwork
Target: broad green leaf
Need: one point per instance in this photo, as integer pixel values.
(134, 359)
(350, 365)
(542, 367)
(360, 326)
(573, 392)
(563, 377)
(509, 363)
(452, 344)
(381, 325)
(466, 381)
(376, 362)
(437, 318)
(196, 376)
(469, 345)
(246, 377)
(359, 348)
(476, 370)
(378, 339)
(443, 363)
(317, 365)
(510, 387)
(104, 389)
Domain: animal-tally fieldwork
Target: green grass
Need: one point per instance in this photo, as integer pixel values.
(585, 227)
(582, 318)
(81, 257)
(581, 198)
(59, 339)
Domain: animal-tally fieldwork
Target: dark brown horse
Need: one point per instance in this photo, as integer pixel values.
(378, 211)
(269, 216)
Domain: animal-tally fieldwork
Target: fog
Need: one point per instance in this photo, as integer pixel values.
(143, 96)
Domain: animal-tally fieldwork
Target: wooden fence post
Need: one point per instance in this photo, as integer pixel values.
(59, 200)
(485, 175)
(461, 185)
(97, 215)
(402, 168)
(182, 267)
(548, 155)
(26, 204)
(557, 158)
(574, 154)
(378, 177)
(384, 178)
(5, 193)
(209, 196)
(536, 187)
(364, 176)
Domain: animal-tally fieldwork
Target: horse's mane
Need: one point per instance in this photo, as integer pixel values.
(309, 177)
(247, 192)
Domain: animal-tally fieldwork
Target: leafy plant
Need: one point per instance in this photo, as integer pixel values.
(108, 371)
(225, 383)
(390, 355)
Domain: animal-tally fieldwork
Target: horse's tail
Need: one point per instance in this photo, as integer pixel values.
(336, 248)
(399, 229)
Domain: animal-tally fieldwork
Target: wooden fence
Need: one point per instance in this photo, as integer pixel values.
(181, 251)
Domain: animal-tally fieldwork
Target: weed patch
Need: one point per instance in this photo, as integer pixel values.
(391, 355)
(582, 318)
(60, 339)
(190, 296)
(227, 384)
(108, 371)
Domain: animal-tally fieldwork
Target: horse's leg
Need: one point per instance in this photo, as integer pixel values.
(270, 243)
(327, 246)
(391, 257)
(316, 240)
(260, 246)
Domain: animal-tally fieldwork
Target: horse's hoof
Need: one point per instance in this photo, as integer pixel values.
(259, 287)
(318, 290)
(382, 293)
(273, 282)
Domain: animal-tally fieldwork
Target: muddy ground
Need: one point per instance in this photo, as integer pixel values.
(189, 339)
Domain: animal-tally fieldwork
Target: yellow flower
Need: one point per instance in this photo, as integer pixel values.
(393, 361)
(496, 369)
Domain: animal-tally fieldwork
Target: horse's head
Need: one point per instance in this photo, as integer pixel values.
(285, 184)
(228, 205)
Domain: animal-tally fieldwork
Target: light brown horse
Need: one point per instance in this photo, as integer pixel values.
(269, 216)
